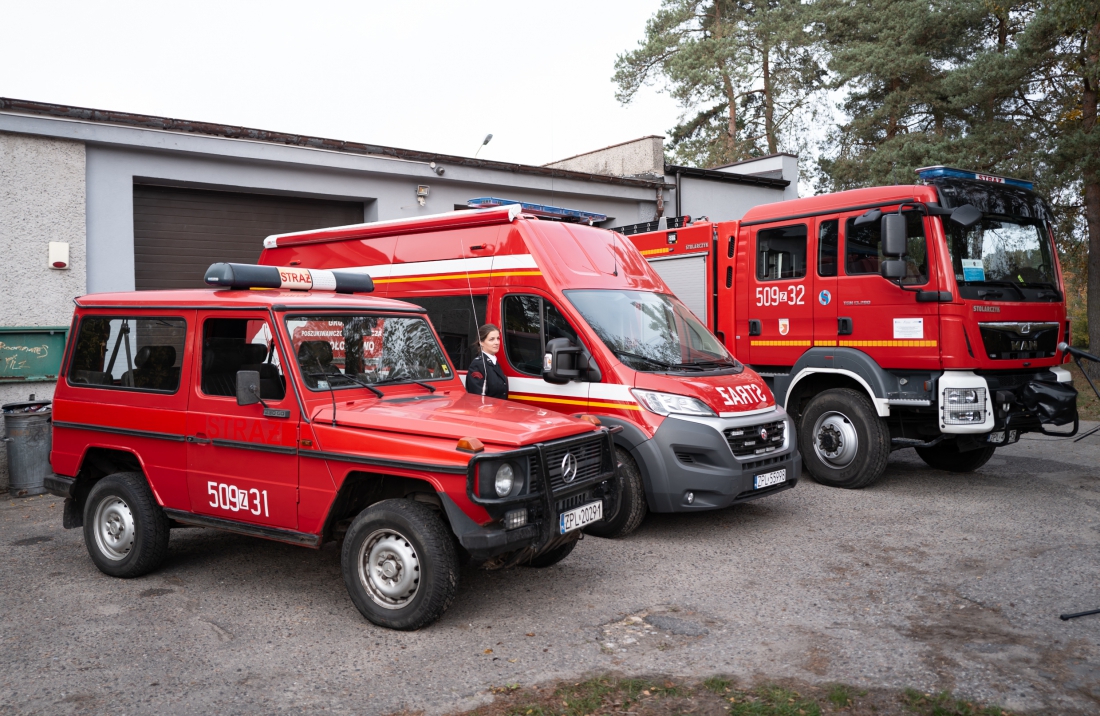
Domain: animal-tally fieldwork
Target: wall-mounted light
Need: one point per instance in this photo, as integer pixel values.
(438, 170)
(58, 257)
(422, 194)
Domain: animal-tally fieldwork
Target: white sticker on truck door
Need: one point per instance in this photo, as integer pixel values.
(909, 328)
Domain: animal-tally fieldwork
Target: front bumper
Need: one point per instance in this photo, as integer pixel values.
(692, 455)
(545, 498)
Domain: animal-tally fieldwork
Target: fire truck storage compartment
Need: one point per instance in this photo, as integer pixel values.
(686, 276)
(178, 232)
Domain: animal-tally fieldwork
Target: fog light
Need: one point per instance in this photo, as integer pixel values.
(690, 497)
(965, 416)
(515, 518)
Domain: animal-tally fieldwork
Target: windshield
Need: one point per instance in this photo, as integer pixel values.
(336, 351)
(651, 332)
(1002, 250)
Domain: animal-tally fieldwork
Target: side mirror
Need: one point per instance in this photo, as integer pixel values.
(248, 387)
(893, 235)
(559, 363)
(966, 215)
(892, 269)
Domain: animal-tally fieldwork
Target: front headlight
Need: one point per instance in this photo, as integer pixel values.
(668, 403)
(504, 479)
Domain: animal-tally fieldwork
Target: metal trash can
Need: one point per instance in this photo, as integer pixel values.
(27, 435)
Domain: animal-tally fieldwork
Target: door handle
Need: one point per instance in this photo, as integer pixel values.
(197, 440)
(754, 327)
(844, 326)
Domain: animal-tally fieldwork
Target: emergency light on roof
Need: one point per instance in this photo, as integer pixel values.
(940, 171)
(240, 276)
(541, 210)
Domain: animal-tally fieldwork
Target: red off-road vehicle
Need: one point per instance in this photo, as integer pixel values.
(303, 415)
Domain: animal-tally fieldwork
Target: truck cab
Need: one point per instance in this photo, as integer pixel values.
(587, 326)
(924, 316)
(292, 405)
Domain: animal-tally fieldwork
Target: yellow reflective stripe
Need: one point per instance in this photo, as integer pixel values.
(591, 404)
(780, 343)
(453, 276)
(888, 344)
(649, 252)
(825, 344)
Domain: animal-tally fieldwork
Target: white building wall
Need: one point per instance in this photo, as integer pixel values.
(42, 199)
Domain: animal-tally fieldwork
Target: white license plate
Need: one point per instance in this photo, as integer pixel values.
(770, 478)
(580, 516)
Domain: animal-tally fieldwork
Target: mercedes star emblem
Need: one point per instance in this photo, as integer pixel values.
(569, 467)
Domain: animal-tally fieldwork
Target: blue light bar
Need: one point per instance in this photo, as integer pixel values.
(550, 212)
(940, 171)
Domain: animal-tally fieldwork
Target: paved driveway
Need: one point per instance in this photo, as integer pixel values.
(927, 579)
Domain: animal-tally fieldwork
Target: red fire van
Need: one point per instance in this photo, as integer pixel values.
(587, 327)
(924, 316)
(302, 415)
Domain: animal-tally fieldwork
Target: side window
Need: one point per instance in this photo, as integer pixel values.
(828, 246)
(233, 344)
(523, 333)
(456, 319)
(863, 248)
(143, 354)
(781, 253)
(529, 322)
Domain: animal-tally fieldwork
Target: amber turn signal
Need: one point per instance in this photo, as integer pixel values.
(590, 419)
(470, 445)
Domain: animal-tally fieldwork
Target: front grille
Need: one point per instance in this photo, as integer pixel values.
(1019, 341)
(592, 458)
(756, 439)
(755, 464)
(572, 501)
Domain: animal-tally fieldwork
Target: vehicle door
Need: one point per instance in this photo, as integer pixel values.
(826, 268)
(242, 460)
(874, 314)
(528, 321)
(779, 286)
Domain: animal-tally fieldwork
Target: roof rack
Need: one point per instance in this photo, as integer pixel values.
(392, 227)
(542, 211)
(665, 222)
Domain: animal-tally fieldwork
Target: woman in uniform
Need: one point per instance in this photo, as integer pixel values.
(484, 376)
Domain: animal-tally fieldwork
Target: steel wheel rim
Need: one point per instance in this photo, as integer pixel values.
(389, 569)
(835, 439)
(113, 525)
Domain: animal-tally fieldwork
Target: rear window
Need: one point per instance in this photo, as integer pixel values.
(129, 353)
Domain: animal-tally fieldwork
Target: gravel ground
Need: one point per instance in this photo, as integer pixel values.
(927, 579)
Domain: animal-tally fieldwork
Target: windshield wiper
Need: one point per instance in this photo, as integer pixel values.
(1051, 292)
(1007, 284)
(422, 384)
(724, 363)
(330, 376)
(654, 361)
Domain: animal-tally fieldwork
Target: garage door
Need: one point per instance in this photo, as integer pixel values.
(686, 276)
(178, 233)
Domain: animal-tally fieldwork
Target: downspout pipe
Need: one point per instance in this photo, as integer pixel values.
(678, 205)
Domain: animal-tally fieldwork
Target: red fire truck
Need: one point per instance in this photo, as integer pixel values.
(587, 326)
(924, 316)
(302, 415)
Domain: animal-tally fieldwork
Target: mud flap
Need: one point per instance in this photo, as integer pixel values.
(73, 516)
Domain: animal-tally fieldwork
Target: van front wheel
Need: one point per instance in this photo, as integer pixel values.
(632, 504)
(843, 441)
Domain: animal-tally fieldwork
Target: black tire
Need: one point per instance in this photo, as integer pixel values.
(549, 559)
(632, 503)
(852, 441)
(946, 456)
(125, 530)
(413, 575)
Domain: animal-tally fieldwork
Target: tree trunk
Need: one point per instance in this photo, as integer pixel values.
(733, 152)
(1091, 180)
(769, 104)
(892, 124)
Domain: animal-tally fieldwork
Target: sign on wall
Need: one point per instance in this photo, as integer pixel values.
(31, 354)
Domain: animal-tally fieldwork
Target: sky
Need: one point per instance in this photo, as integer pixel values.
(433, 76)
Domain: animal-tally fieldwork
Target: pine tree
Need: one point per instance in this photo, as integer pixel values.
(741, 69)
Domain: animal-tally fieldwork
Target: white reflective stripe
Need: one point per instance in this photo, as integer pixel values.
(479, 264)
(538, 386)
(610, 391)
(323, 280)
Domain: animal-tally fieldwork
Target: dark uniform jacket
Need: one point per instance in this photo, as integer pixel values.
(482, 368)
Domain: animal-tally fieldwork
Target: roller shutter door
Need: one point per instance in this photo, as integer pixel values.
(686, 276)
(178, 233)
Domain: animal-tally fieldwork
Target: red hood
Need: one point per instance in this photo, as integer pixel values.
(724, 394)
(458, 415)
